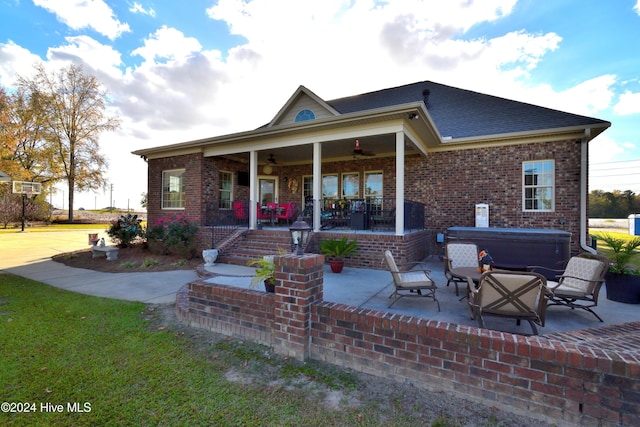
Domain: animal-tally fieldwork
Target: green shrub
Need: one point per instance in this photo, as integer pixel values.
(338, 248)
(176, 233)
(125, 230)
(127, 264)
(623, 251)
(150, 262)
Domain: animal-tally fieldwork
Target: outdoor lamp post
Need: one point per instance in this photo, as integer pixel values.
(299, 234)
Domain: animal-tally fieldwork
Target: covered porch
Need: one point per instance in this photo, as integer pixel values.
(376, 214)
(340, 172)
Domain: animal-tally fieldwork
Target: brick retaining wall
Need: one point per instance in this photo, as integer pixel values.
(561, 377)
(579, 384)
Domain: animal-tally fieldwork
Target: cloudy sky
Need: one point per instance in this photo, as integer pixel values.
(178, 71)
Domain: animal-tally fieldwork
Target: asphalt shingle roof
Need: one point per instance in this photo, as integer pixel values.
(461, 113)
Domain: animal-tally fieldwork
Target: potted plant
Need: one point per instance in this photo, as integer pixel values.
(336, 250)
(264, 273)
(621, 281)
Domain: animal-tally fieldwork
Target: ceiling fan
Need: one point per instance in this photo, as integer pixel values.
(358, 151)
(272, 159)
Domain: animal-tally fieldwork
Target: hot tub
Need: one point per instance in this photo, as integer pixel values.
(517, 248)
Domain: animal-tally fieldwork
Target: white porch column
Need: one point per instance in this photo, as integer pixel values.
(399, 183)
(253, 189)
(317, 184)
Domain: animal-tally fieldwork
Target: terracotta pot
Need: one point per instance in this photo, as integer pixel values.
(337, 264)
(623, 288)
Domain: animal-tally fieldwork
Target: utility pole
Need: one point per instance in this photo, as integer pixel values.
(111, 199)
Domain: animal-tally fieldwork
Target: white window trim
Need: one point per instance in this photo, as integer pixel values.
(220, 190)
(162, 191)
(364, 183)
(338, 190)
(304, 177)
(552, 185)
(342, 182)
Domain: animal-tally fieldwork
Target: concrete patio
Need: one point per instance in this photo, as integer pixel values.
(367, 288)
(28, 254)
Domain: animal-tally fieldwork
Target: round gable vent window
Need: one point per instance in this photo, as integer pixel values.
(305, 115)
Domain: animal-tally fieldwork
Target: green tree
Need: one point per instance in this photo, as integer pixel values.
(73, 113)
(25, 151)
(598, 204)
(613, 204)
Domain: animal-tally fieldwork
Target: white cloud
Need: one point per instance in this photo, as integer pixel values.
(167, 44)
(605, 149)
(175, 88)
(98, 57)
(339, 48)
(591, 97)
(182, 91)
(637, 7)
(15, 60)
(610, 167)
(629, 103)
(138, 8)
(78, 14)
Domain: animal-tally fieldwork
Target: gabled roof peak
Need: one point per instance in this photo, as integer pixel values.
(300, 92)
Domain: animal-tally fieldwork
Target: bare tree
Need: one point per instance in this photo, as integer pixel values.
(73, 107)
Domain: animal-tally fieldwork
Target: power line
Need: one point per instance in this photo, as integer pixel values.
(618, 174)
(616, 162)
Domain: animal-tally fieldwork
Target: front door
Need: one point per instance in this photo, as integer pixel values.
(268, 189)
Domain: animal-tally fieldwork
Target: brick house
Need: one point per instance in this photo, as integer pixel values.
(417, 159)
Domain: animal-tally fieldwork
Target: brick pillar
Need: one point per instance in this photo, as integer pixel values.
(300, 285)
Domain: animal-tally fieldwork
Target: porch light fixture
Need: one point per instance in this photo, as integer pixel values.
(413, 116)
(300, 231)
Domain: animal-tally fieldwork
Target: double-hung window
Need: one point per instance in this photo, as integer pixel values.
(330, 186)
(373, 190)
(538, 184)
(350, 185)
(226, 187)
(173, 189)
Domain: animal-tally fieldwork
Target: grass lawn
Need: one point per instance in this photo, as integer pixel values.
(63, 348)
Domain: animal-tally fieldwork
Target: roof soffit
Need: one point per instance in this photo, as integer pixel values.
(545, 135)
(368, 122)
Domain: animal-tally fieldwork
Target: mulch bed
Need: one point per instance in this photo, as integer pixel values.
(137, 258)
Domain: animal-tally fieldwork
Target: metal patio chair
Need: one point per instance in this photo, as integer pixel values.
(412, 283)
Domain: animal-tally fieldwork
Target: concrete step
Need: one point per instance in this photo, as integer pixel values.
(255, 244)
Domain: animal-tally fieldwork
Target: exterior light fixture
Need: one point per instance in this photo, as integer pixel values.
(300, 231)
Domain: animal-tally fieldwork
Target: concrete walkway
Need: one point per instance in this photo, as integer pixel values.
(29, 255)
